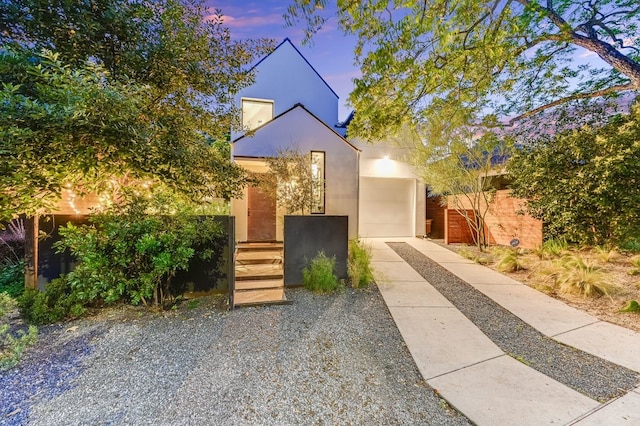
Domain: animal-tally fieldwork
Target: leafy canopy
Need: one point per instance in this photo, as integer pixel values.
(440, 65)
(122, 90)
(584, 184)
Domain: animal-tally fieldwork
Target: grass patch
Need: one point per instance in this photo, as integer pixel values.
(359, 265)
(606, 254)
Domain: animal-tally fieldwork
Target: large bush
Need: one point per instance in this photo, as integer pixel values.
(585, 184)
(133, 251)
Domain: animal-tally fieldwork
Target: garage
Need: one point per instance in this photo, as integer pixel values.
(386, 207)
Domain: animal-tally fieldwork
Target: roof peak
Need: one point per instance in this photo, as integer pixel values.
(287, 39)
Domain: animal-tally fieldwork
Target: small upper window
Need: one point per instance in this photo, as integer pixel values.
(256, 112)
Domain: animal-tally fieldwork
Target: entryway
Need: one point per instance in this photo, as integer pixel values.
(259, 274)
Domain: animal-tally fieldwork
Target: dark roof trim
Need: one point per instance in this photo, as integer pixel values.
(302, 56)
(299, 105)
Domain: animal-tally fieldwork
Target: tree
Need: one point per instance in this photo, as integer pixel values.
(127, 90)
(290, 181)
(441, 65)
(584, 183)
(464, 178)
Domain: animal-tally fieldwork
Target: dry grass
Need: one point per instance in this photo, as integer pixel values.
(598, 281)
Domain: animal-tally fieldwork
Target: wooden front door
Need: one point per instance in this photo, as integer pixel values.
(261, 221)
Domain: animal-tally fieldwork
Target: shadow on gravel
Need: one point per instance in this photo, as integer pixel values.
(327, 359)
(46, 370)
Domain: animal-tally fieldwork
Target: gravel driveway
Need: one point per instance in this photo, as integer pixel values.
(324, 359)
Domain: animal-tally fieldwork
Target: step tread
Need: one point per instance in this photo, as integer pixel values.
(259, 296)
(258, 269)
(258, 284)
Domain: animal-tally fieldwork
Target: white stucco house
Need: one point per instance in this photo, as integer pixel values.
(291, 106)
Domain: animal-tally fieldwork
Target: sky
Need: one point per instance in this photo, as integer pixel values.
(331, 53)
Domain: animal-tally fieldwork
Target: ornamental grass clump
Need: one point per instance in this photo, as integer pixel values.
(359, 265)
(319, 276)
(578, 276)
(511, 261)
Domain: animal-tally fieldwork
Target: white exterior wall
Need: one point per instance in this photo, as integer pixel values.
(387, 208)
(299, 130)
(287, 78)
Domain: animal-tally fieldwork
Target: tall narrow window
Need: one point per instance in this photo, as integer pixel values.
(318, 178)
(256, 112)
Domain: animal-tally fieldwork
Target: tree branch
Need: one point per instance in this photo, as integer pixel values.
(598, 93)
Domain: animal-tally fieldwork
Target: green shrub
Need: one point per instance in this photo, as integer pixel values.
(359, 266)
(511, 261)
(12, 343)
(12, 278)
(57, 302)
(319, 276)
(577, 276)
(133, 251)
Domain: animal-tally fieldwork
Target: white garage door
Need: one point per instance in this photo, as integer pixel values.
(386, 207)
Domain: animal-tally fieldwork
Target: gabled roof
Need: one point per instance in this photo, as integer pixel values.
(299, 105)
(286, 40)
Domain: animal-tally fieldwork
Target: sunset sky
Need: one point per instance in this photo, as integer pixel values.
(331, 54)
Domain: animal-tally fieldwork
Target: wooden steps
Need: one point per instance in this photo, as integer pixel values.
(259, 274)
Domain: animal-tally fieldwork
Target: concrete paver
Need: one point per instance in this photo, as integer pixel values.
(442, 340)
(412, 294)
(381, 255)
(503, 391)
(395, 271)
(609, 341)
(547, 315)
(471, 372)
(622, 411)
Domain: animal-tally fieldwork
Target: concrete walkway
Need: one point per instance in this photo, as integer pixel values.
(471, 372)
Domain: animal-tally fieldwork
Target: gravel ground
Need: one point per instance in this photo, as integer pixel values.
(324, 359)
(588, 374)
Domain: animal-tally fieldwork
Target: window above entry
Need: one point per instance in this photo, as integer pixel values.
(256, 112)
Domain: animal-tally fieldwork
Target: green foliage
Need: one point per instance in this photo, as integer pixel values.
(12, 342)
(578, 276)
(319, 276)
(12, 278)
(554, 247)
(511, 261)
(133, 250)
(631, 306)
(58, 301)
(583, 184)
(631, 244)
(443, 65)
(359, 264)
(117, 90)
